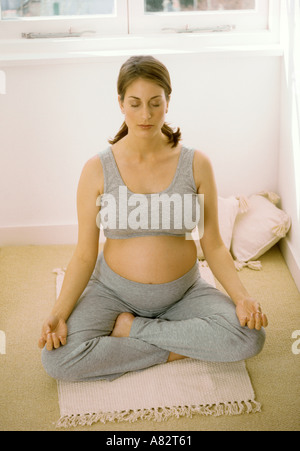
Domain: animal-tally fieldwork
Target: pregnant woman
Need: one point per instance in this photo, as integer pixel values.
(142, 301)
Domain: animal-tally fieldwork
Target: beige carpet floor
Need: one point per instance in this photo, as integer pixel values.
(28, 397)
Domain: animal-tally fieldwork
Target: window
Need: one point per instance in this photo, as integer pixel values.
(102, 17)
(121, 17)
(197, 5)
(12, 9)
(197, 15)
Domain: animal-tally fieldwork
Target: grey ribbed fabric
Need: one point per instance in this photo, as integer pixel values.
(187, 316)
(171, 212)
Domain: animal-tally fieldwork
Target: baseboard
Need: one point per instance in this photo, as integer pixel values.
(38, 235)
(41, 235)
(291, 260)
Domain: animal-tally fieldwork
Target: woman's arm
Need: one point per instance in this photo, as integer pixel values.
(217, 256)
(84, 258)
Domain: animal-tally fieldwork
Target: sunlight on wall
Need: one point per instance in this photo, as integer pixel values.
(296, 101)
(296, 147)
(292, 72)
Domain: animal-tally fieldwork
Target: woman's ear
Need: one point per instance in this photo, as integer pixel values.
(121, 104)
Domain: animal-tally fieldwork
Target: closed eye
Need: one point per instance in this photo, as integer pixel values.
(153, 105)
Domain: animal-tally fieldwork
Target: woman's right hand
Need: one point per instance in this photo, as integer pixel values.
(54, 333)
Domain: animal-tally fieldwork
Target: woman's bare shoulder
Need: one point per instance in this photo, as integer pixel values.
(201, 158)
(202, 166)
(92, 173)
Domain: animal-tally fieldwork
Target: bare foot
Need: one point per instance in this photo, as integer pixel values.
(122, 325)
(122, 328)
(173, 356)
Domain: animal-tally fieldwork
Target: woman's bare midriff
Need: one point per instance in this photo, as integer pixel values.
(151, 260)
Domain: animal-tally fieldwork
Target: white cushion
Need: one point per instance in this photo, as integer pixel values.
(228, 210)
(259, 227)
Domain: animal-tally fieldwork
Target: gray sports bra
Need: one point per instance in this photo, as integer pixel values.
(172, 212)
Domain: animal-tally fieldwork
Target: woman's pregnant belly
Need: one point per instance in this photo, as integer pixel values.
(151, 260)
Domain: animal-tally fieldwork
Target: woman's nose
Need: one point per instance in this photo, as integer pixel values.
(146, 113)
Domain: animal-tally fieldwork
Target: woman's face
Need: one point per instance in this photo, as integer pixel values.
(145, 107)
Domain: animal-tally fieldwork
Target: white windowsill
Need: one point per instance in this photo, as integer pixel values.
(74, 50)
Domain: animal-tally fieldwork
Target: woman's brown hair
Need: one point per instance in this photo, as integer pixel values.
(148, 68)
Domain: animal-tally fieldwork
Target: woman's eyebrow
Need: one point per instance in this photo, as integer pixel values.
(137, 98)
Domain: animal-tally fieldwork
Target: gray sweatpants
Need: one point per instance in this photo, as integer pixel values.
(187, 316)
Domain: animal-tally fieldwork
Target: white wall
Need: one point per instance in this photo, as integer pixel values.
(289, 161)
(229, 108)
(54, 117)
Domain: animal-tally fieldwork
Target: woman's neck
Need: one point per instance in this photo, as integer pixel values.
(145, 147)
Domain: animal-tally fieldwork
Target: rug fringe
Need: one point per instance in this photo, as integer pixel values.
(159, 414)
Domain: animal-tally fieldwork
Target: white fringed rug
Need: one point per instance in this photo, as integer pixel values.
(180, 388)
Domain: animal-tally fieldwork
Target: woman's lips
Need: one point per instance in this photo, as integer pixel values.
(145, 127)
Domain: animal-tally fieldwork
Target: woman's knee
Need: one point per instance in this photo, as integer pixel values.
(52, 364)
(61, 364)
(254, 343)
(241, 343)
(70, 362)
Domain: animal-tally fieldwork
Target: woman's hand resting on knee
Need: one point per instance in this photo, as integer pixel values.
(54, 333)
(250, 314)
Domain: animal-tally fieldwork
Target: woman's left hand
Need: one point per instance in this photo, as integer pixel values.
(250, 314)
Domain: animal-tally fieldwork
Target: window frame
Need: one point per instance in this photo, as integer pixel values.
(103, 25)
(243, 20)
(117, 43)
